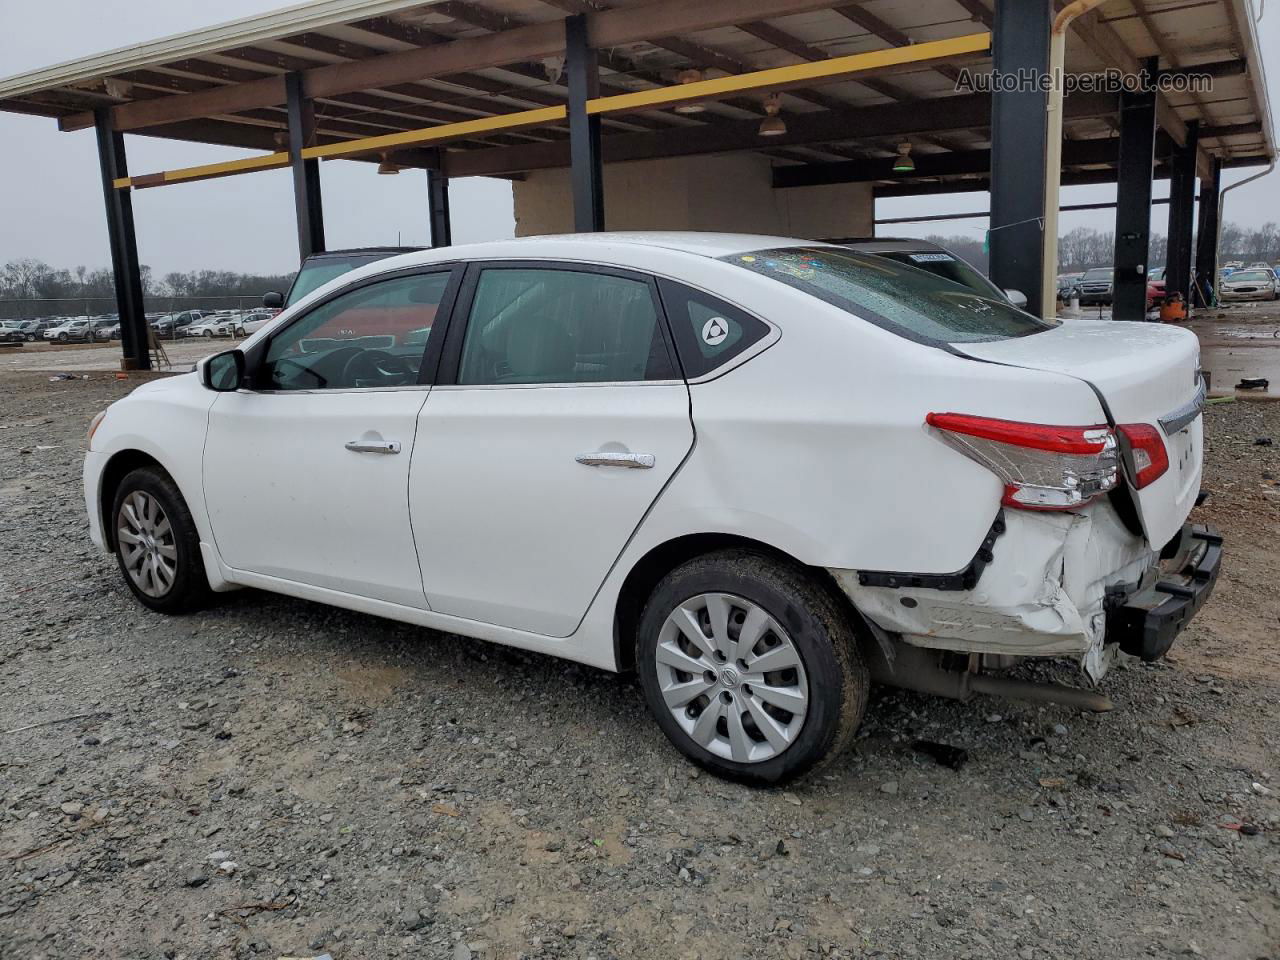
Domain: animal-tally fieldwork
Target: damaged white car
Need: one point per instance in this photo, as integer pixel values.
(761, 473)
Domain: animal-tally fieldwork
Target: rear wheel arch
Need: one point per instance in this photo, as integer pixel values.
(653, 567)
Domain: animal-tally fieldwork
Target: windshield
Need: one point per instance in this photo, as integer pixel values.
(905, 300)
(1249, 276)
(1098, 273)
(316, 273)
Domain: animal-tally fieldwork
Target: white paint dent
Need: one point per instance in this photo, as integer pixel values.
(1042, 594)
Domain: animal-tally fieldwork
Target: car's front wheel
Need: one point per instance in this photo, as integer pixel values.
(157, 544)
(750, 667)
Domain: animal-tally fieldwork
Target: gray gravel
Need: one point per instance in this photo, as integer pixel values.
(274, 778)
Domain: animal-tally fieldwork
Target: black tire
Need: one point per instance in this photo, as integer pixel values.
(189, 589)
(31, 337)
(63, 338)
(819, 630)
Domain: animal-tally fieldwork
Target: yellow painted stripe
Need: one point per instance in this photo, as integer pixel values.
(205, 171)
(268, 161)
(447, 131)
(799, 74)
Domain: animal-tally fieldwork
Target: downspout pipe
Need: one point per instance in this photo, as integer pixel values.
(1222, 205)
(1053, 150)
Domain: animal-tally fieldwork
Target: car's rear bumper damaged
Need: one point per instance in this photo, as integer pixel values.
(1041, 595)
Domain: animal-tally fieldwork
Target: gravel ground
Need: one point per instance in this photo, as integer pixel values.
(274, 777)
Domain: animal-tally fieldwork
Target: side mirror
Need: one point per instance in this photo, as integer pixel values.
(1017, 298)
(273, 299)
(223, 372)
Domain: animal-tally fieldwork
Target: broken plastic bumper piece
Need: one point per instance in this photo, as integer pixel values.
(1146, 623)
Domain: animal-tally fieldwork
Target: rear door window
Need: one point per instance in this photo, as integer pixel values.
(904, 300)
(544, 325)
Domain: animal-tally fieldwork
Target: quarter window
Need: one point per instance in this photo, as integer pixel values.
(374, 336)
(543, 325)
(708, 332)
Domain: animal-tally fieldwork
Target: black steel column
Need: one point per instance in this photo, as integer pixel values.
(127, 271)
(1019, 48)
(586, 170)
(306, 173)
(1182, 198)
(1133, 199)
(438, 203)
(1204, 292)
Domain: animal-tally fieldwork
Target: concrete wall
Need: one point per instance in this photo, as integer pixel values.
(729, 193)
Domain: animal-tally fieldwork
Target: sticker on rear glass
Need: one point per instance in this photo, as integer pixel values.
(930, 257)
(714, 331)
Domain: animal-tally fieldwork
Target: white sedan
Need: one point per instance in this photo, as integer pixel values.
(761, 473)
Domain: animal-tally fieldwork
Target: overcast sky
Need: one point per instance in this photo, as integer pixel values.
(51, 205)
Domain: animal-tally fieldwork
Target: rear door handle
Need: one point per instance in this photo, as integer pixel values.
(373, 446)
(607, 458)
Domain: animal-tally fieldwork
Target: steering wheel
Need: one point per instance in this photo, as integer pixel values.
(282, 377)
(387, 369)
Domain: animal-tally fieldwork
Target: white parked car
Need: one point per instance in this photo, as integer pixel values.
(214, 325)
(760, 472)
(1249, 284)
(251, 322)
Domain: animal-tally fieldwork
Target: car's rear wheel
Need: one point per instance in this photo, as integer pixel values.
(157, 544)
(30, 337)
(750, 667)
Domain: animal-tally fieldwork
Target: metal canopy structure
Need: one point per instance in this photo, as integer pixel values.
(504, 87)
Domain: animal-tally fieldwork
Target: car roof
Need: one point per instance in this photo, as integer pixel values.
(582, 246)
(361, 251)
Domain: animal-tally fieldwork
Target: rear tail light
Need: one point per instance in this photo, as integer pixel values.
(1150, 459)
(1043, 467)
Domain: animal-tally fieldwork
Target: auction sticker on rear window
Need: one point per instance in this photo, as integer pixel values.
(931, 257)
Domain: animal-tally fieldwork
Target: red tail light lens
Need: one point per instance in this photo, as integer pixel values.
(1043, 467)
(1150, 458)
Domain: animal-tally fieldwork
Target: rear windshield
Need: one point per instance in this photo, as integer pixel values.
(905, 300)
(316, 273)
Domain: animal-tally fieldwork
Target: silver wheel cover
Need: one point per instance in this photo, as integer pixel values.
(732, 678)
(146, 544)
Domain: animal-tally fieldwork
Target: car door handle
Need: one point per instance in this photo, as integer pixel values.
(373, 446)
(607, 458)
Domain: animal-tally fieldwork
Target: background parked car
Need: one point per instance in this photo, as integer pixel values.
(19, 331)
(1096, 286)
(1155, 287)
(249, 322)
(1068, 286)
(81, 330)
(1249, 285)
(929, 256)
(319, 268)
(169, 325)
(211, 326)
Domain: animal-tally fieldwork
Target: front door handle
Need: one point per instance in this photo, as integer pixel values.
(607, 458)
(373, 446)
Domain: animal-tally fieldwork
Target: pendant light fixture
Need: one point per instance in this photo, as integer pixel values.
(772, 125)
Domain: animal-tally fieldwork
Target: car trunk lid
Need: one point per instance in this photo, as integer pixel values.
(1143, 373)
